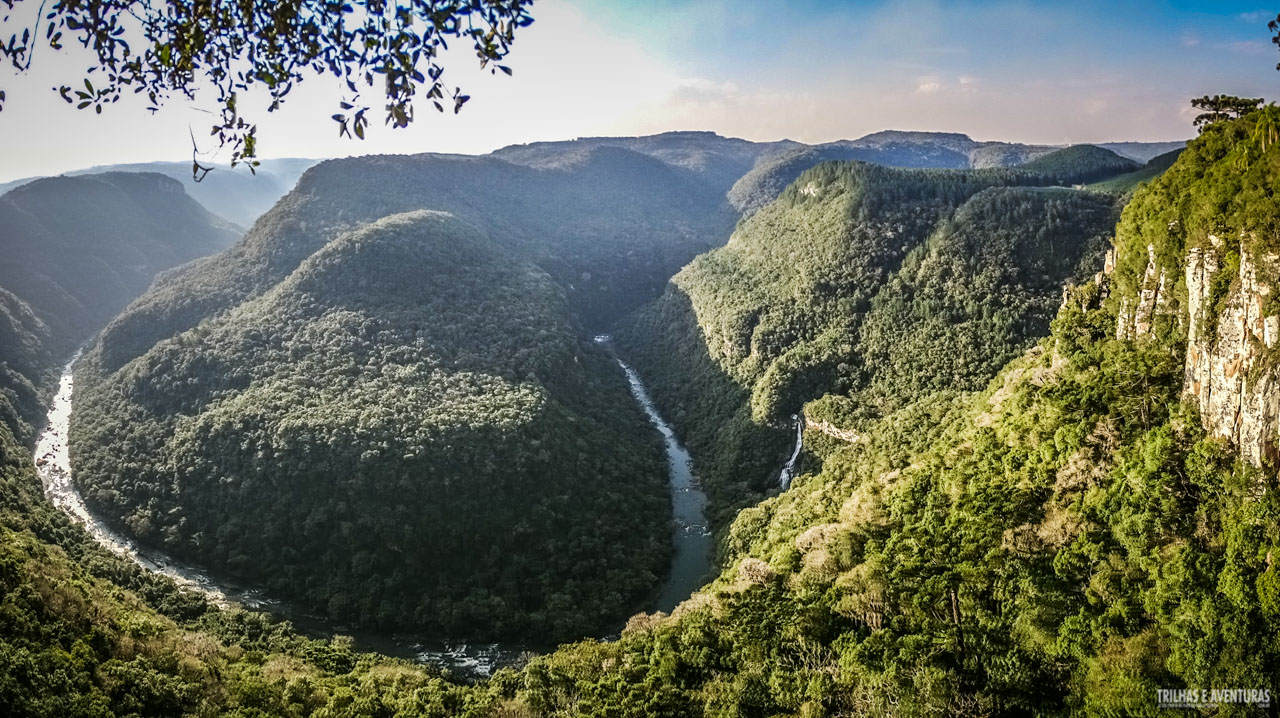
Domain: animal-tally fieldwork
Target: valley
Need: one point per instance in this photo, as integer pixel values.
(392, 421)
(569, 359)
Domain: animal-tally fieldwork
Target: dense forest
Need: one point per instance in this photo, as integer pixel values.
(409, 430)
(608, 224)
(861, 280)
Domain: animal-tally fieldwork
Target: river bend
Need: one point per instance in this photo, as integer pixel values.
(691, 560)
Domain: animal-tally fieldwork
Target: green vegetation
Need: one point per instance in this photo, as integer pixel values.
(608, 224)
(1061, 542)
(84, 632)
(1127, 183)
(77, 250)
(878, 283)
(1079, 164)
(409, 430)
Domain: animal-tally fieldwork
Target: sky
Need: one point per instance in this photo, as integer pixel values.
(807, 70)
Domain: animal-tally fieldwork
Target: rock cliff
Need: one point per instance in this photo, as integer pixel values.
(1228, 374)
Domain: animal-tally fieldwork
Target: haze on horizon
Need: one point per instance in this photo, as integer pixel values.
(812, 71)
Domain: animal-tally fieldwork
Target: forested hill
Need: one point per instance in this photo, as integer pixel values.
(77, 249)
(880, 283)
(410, 429)
(84, 632)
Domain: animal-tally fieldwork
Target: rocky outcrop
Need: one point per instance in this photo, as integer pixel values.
(1227, 374)
(1153, 299)
(831, 430)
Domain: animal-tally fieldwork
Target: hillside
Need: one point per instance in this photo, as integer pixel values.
(79, 248)
(84, 632)
(1092, 526)
(1126, 183)
(408, 430)
(1079, 164)
(857, 279)
(235, 195)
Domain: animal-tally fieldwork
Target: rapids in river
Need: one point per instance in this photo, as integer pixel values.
(690, 563)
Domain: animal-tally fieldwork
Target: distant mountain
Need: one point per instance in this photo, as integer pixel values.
(892, 148)
(1081, 163)
(718, 161)
(235, 195)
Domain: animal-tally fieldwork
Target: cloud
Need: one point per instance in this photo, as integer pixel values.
(928, 86)
(1257, 16)
(1190, 39)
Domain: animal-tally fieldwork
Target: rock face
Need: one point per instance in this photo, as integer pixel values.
(831, 430)
(1238, 397)
(1153, 299)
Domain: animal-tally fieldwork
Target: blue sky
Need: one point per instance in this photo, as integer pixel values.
(1049, 72)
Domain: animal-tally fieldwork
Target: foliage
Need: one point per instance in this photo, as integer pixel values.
(1063, 543)
(1223, 185)
(1218, 108)
(233, 47)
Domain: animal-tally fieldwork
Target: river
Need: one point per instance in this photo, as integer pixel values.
(690, 563)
